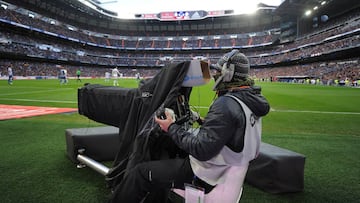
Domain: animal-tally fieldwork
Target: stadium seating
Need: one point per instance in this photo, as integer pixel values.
(311, 54)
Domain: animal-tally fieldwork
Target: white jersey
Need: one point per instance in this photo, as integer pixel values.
(115, 72)
(10, 72)
(63, 72)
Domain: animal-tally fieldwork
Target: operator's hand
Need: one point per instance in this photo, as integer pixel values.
(165, 123)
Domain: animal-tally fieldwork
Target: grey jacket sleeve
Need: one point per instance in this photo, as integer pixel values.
(218, 127)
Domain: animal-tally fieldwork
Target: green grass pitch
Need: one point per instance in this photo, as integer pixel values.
(320, 122)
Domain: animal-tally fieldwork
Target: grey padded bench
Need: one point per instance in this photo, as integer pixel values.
(277, 170)
(100, 143)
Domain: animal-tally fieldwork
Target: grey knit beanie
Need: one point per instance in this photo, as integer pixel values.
(235, 68)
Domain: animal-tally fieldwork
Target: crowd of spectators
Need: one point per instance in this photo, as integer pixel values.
(326, 73)
(183, 40)
(104, 52)
(50, 70)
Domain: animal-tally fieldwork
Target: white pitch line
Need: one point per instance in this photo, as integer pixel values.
(298, 111)
(320, 112)
(36, 100)
(201, 107)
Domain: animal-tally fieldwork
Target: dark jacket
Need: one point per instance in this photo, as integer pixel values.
(224, 119)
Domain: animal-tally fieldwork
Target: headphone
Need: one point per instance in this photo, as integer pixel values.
(228, 69)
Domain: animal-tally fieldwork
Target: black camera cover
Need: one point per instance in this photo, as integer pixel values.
(133, 110)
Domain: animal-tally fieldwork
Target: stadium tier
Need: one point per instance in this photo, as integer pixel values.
(30, 35)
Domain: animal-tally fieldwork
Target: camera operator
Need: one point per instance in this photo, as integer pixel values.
(233, 119)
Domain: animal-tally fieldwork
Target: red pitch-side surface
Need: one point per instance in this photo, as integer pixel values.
(14, 111)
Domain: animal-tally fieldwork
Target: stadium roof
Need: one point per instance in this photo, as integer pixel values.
(76, 13)
(299, 7)
(129, 9)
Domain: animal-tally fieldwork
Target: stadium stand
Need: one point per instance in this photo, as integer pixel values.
(335, 42)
